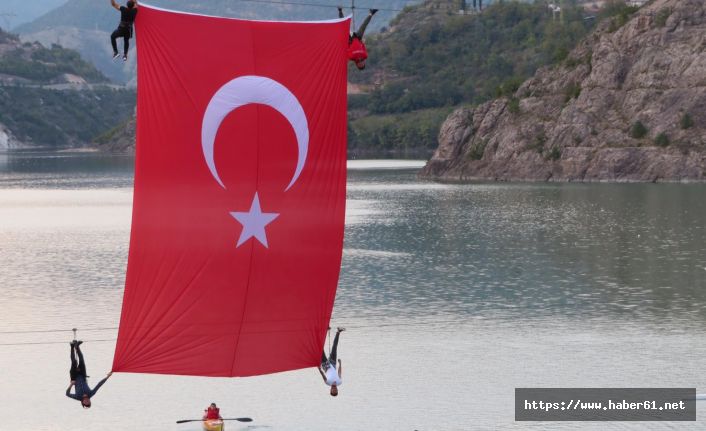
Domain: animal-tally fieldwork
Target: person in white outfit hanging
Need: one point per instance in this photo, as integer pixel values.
(331, 369)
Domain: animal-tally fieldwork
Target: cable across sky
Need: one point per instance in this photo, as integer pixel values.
(275, 2)
(365, 326)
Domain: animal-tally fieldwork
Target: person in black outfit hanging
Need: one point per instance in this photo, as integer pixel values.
(124, 30)
(82, 391)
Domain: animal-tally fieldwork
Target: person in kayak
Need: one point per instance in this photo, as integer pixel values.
(83, 392)
(328, 369)
(357, 52)
(212, 412)
(124, 30)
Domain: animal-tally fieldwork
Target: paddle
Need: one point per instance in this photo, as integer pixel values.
(201, 420)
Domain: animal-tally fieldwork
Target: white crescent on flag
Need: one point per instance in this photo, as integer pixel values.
(246, 90)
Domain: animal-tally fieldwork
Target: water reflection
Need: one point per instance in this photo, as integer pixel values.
(460, 292)
(66, 170)
(617, 251)
(421, 248)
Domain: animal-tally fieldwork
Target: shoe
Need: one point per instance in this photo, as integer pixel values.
(373, 11)
(124, 57)
(341, 329)
(115, 55)
(73, 343)
(78, 343)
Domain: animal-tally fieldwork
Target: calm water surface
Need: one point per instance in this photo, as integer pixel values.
(453, 295)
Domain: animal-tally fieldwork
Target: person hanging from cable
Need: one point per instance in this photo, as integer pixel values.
(330, 370)
(357, 52)
(124, 30)
(82, 391)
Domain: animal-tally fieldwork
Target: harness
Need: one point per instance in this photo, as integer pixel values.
(126, 25)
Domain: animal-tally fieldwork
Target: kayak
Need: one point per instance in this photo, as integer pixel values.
(213, 425)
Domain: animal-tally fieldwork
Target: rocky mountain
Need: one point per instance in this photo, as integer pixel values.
(50, 97)
(85, 25)
(628, 104)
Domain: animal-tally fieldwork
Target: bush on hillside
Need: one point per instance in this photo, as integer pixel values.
(662, 140)
(638, 130)
(513, 105)
(662, 17)
(618, 12)
(686, 121)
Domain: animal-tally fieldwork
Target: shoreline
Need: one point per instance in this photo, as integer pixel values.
(487, 180)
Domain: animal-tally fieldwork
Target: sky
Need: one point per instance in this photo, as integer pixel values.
(25, 11)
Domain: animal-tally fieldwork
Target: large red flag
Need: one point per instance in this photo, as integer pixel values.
(239, 200)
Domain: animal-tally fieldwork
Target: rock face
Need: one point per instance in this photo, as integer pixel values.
(121, 139)
(8, 141)
(628, 104)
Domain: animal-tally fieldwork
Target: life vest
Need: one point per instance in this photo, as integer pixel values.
(357, 50)
(212, 413)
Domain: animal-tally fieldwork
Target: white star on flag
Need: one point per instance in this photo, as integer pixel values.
(254, 223)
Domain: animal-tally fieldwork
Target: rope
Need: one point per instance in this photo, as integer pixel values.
(379, 325)
(46, 331)
(115, 328)
(54, 342)
(315, 5)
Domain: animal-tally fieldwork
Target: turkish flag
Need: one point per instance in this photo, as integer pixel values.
(239, 201)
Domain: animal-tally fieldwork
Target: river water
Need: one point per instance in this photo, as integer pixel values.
(454, 295)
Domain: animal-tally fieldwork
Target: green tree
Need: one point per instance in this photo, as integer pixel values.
(686, 121)
(662, 140)
(638, 130)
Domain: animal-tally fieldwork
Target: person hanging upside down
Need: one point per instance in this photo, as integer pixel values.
(328, 369)
(83, 392)
(357, 52)
(212, 412)
(124, 30)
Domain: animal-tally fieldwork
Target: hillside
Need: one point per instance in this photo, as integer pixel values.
(628, 104)
(32, 62)
(432, 59)
(85, 25)
(51, 97)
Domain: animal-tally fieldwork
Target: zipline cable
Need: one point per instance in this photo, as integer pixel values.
(53, 342)
(115, 328)
(380, 325)
(46, 331)
(291, 3)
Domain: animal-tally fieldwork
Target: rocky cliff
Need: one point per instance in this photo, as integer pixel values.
(8, 141)
(628, 104)
(120, 139)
